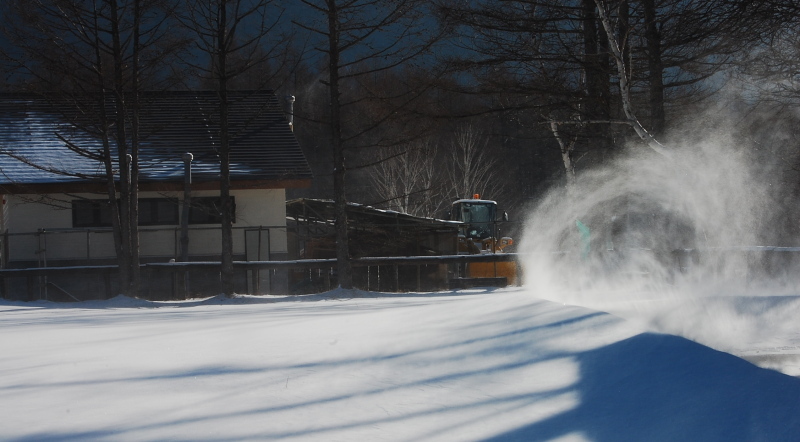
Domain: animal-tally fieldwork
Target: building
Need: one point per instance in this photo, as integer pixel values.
(372, 233)
(55, 209)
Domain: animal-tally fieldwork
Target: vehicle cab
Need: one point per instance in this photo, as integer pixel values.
(477, 215)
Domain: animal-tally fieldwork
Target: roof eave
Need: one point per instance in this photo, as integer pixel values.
(150, 186)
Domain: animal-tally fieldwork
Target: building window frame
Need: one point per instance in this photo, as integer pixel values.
(91, 213)
(207, 210)
(152, 212)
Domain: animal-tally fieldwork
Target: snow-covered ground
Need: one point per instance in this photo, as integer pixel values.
(479, 364)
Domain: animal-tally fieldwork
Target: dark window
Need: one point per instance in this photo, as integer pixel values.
(158, 212)
(152, 212)
(208, 210)
(91, 213)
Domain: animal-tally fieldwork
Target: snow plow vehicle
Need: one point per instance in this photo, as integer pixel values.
(480, 234)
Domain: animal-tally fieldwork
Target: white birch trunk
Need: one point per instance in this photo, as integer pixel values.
(624, 86)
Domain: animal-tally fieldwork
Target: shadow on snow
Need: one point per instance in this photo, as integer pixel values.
(657, 387)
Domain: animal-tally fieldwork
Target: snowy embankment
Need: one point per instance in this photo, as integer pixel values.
(468, 365)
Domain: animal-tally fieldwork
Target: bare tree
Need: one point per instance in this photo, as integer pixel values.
(471, 167)
(556, 58)
(566, 143)
(552, 55)
(422, 180)
(360, 39)
(406, 178)
(672, 47)
(772, 68)
(624, 81)
(91, 57)
(232, 35)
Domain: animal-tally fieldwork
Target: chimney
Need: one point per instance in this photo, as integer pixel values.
(289, 109)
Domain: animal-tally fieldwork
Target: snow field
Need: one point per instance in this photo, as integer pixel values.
(467, 365)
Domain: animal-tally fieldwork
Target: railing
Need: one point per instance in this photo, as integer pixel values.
(324, 267)
(93, 246)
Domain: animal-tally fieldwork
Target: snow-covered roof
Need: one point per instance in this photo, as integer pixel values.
(321, 210)
(478, 201)
(38, 130)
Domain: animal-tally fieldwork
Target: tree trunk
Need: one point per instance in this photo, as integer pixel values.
(119, 240)
(624, 86)
(124, 159)
(344, 267)
(224, 153)
(654, 68)
(567, 147)
(623, 34)
(597, 99)
(134, 201)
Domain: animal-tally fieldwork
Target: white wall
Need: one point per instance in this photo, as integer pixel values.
(25, 215)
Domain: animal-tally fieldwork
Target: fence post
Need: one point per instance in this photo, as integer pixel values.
(4, 264)
(254, 281)
(29, 286)
(328, 279)
(88, 247)
(107, 283)
(4, 258)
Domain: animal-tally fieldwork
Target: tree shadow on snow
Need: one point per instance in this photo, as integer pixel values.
(650, 387)
(121, 301)
(654, 387)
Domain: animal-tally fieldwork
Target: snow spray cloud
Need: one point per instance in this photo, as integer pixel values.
(639, 224)
(650, 233)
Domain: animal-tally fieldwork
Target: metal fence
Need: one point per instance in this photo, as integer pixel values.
(91, 256)
(378, 273)
(95, 246)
